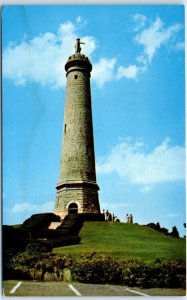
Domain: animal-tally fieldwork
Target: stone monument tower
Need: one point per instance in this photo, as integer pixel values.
(77, 190)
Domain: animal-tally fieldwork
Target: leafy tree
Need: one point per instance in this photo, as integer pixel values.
(174, 232)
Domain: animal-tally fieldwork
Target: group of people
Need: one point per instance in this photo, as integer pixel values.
(110, 217)
(129, 218)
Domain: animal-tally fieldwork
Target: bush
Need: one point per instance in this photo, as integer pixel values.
(159, 273)
(96, 269)
(93, 217)
(13, 238)
(158, 228)
(90, 268)
(39, 222)
(65, 241)
(174, 232)
(100, 269)
(37, 247)
(16, 265)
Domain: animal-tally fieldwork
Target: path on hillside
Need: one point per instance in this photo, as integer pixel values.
(33, 288)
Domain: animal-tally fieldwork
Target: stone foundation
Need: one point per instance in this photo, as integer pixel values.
(85, 196)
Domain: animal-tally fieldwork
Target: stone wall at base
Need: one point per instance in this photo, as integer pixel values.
(85, 198)
(53, 275)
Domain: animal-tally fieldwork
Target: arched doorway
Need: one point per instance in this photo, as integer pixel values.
(73, 208)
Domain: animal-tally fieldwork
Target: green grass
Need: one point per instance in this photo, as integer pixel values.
(125, 241)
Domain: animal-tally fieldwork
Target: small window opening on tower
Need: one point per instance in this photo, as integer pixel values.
(75, 76)
(65, 128)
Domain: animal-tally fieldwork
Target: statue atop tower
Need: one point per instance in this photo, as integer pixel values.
(77, 46)
(77, 190)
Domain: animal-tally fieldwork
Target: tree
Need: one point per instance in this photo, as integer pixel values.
(158, 226)
(174, 232)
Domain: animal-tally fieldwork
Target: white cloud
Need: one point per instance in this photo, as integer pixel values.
(103, 71)
(114, 206)
(119, 205)
(165, 163)
(131, 72)
(151, 38)
(172, 215)
(139, 21)
(32, 208)
(142, 60)
(179, 46)
(81, 21)
(42, 58)
(146, 189)
(90, 44)
(154, 36)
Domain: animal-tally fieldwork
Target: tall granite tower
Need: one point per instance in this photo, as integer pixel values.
(77, 190)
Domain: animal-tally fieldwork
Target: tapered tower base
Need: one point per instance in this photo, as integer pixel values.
(77, 198)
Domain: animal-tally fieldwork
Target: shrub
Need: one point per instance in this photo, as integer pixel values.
(65, 241)
(13, 238)
(39, 222)
(174, 232)
(93, 217)
(37, 247)
(159, 273)
(173, 273)
(133, 272)
(91, 268)
(16, 265)
(96, 269)
(158, 228)
(100, 269)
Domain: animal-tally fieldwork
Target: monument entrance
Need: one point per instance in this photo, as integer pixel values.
(73, 208)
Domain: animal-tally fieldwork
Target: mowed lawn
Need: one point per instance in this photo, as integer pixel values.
(125, 241)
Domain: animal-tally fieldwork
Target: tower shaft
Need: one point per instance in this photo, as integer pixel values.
(77, 190)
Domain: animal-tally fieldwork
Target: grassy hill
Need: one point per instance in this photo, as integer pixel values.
(125, 241)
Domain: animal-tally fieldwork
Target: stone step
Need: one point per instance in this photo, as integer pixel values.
(54, 225)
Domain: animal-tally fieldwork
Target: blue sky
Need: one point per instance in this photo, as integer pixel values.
(138, 102)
